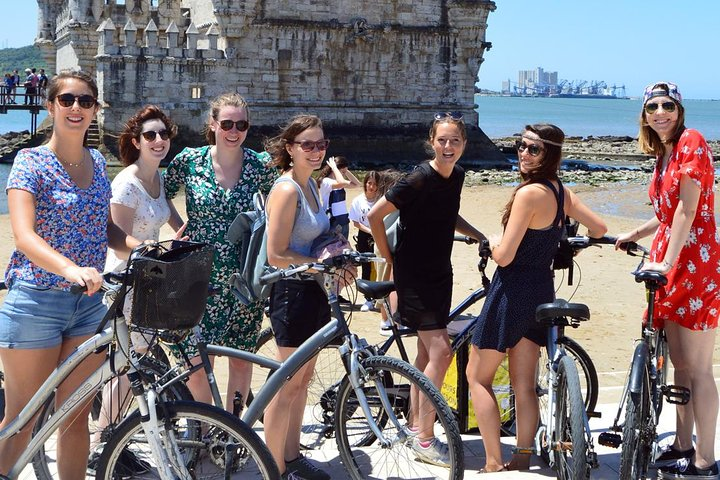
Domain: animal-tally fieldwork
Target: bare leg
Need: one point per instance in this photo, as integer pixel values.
(691, 354)
(239, 378)
(284, 414)
(523, 360)
(433, 359)
(481, 369)
(198, 382)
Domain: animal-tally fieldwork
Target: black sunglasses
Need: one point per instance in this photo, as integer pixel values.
(533, 150)
(150, 135)
(308, 146)
(653, 107)
(453, 115)
(241, 125)
(68, 99)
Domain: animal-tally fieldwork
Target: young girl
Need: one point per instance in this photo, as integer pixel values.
(332, 181)
(429, 202)
(359, 209)
(532, 225)
(59, 201)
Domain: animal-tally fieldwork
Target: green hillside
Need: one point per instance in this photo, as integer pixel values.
(20, 59)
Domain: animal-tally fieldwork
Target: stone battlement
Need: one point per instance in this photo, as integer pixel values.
(375, 66)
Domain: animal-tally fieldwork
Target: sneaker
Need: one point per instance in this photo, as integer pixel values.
(435, 454)
(302, 468)
(684, 468)
(368, 306)
(385, 324)
(670, 456)
(291, 475)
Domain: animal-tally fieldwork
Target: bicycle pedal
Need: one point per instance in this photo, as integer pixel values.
(676, 394)
(522, 451)
(609, 439)
(594, 414)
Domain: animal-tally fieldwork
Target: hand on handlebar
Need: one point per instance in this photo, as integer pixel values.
(624, 238)
(87, 277)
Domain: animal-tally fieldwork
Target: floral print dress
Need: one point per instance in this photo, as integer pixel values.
(691, 297)
(210, 210)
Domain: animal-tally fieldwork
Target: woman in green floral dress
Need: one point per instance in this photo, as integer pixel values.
(220, 180)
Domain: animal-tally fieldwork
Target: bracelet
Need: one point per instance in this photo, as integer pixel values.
(666, 264)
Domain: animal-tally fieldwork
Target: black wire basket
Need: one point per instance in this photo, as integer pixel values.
(170, 284)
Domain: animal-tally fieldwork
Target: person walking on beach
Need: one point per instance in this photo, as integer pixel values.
(140, 208)
(59, 202)
(359, 209)
(298, 308)
(532, 222)
(220, 180)
(332, 181)
(686, 249)
(429, 202)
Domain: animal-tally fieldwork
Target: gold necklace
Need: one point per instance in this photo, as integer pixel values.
(70, 164)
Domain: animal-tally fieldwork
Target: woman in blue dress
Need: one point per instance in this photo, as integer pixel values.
(532, 225)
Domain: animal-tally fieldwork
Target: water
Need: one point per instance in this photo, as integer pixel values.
(506, 116)
(18, 120)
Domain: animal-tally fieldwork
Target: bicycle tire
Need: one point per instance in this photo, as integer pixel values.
(570, 448)
(662, 358)
(200, 432)
(150, 369)
(398, 459)
(319, 418)
(636, 445)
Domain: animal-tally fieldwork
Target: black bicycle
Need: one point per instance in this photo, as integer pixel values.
(645, 388)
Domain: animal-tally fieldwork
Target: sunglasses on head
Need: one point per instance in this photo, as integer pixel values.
(68, 100)
(453, 115)
(241, 125)
(532, 149)
(308, 146)
(150, 135)
(653, 107)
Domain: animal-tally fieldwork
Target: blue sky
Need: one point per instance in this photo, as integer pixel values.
(630, 42)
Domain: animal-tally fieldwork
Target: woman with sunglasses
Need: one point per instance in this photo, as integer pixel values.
(298, 308)
(220, 180)
(140, 208)
(58, 197)
(532, 222)
(685, 248)
(429, 201)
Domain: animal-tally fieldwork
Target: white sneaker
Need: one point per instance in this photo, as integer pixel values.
(436, 453)
(385, 324)
(368, 306)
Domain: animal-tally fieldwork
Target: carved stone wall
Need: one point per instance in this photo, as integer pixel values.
(380, 66)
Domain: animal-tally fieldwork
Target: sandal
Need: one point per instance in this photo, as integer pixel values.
(524, 453)
(503, 469)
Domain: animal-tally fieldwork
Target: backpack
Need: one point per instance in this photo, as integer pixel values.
(249, 231)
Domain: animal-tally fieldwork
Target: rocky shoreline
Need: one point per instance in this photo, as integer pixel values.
(587, 160)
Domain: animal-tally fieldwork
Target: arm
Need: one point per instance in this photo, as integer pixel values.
(281, 208)
(523, 211)
(21, 204)
(681, 224)
(118, 240)
(350, 176)
(377, 228)
(339, 180)
(176, 222)
(362, 227)
(462, 226)
(575, 208)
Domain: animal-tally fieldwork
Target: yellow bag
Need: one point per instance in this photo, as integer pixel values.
(455, 383)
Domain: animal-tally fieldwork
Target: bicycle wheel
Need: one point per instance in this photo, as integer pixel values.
(638, 434)
(662, 359)
(398, 458)
(319, 417)
(210, 442)
(101, 425)
(587, 374)
(569, 447)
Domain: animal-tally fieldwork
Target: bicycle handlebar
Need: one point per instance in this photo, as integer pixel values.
(581, 242)
(465, 239)
(329, 265)
(111, 278)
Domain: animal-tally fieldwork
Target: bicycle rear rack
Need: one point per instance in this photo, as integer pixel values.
(676, 394)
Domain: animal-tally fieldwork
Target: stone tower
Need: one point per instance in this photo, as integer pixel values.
(375, 71)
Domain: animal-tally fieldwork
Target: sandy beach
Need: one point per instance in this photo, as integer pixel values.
(602, 277)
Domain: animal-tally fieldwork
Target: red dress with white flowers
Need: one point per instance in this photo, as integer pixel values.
(691, 297)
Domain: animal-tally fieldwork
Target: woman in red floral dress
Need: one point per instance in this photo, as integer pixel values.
(686, 248)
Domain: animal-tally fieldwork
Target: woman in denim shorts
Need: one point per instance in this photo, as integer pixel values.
(58, 196)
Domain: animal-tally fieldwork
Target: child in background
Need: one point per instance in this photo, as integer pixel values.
(388, 178)
(359, 209)
(332, 180)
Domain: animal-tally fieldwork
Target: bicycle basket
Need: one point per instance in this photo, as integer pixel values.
(170, 285)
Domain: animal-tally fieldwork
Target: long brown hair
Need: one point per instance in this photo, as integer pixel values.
(133, 128)
(648, 139)
(56, 83)
(340, 162)
(276, 145)
(549, 164)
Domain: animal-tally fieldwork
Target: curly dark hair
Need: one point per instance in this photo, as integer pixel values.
(133, 128)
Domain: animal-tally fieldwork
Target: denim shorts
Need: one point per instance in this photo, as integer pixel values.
(41, 317)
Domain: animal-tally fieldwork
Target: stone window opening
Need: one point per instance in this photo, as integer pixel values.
(196, 92)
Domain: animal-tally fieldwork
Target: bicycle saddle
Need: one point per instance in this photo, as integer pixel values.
(561, 308)
(374, 289)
